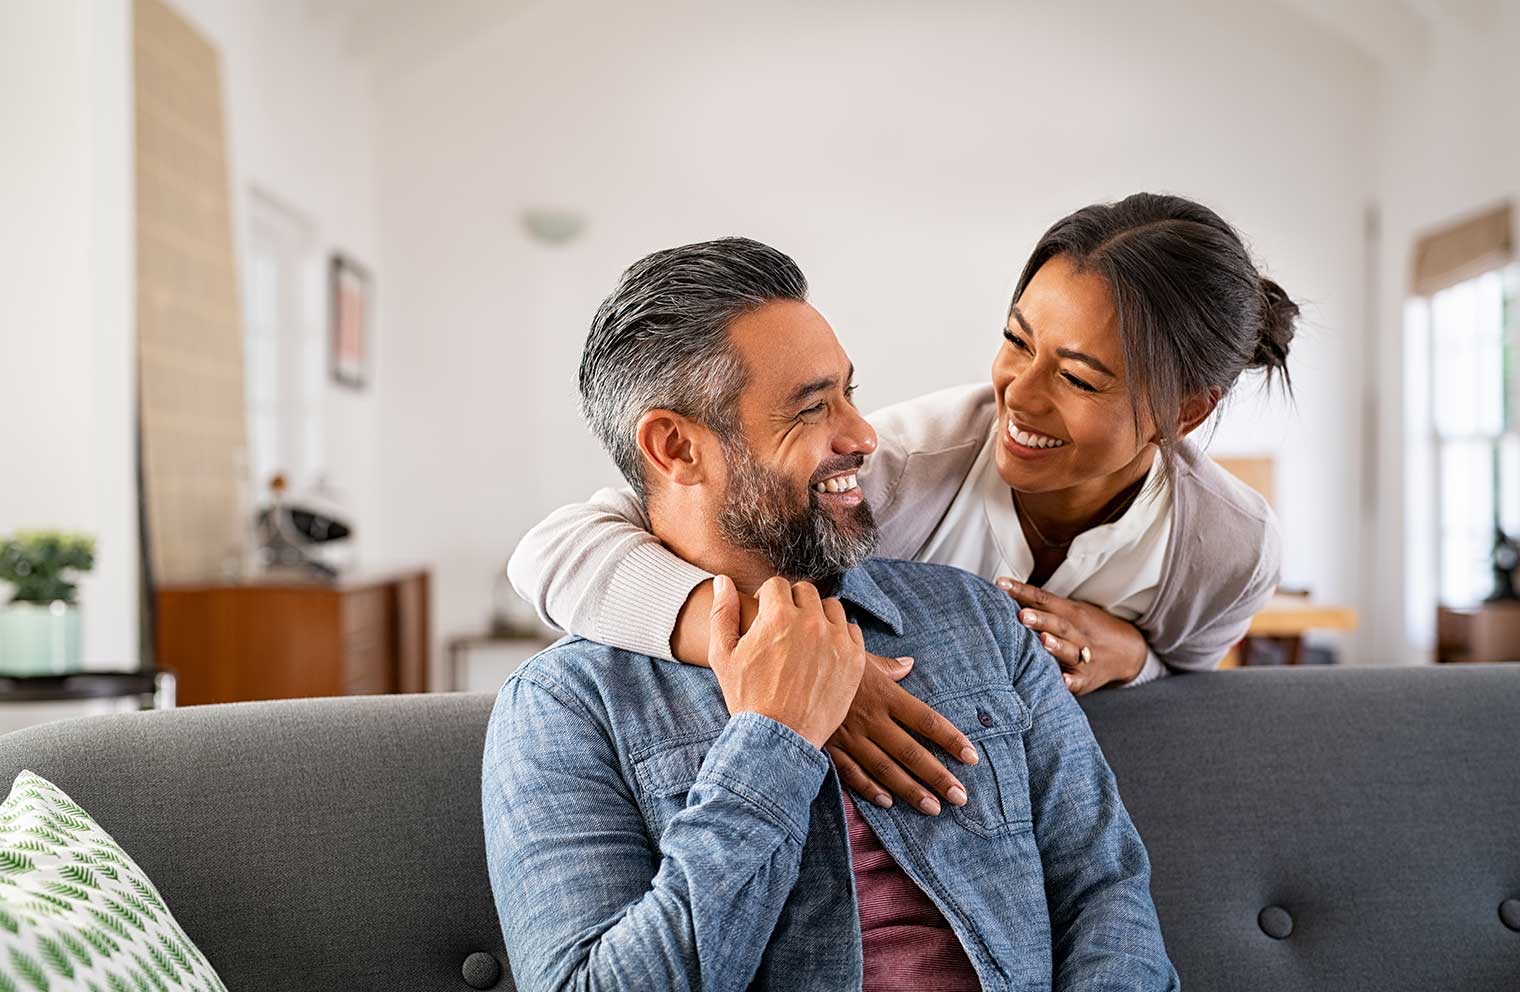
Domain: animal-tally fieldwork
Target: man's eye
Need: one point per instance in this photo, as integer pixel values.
(814, 410)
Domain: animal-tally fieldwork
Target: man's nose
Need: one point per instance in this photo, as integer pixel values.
(856, 435)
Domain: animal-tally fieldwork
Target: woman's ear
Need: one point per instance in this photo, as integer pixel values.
(1196, 409)
(673, 447)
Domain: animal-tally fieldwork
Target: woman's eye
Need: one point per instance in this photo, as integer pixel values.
(1015, 340)
(1079, 383)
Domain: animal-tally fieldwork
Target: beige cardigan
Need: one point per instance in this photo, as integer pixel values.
(594, 569)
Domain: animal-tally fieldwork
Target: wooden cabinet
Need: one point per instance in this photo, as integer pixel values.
(1490, 632)
(268, 640)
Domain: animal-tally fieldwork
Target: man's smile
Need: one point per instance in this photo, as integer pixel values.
(840, 490)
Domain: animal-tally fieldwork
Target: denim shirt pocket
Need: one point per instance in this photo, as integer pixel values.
(665, 772)
(994, 718)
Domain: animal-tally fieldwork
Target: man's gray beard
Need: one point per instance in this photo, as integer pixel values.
(800, 542)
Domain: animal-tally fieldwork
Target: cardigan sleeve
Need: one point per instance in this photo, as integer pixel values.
(595, 570)
(1225, 565)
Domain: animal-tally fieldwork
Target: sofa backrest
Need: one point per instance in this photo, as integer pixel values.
(1370, 814)
(303, 844)
(1309, 829)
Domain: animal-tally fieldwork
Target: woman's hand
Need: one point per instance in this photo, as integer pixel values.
(1116, 647)
(876, 755)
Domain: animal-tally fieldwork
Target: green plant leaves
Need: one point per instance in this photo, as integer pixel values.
(75, 947)
(54, 957)
(11, 862)
(38, 564)
(29, 968)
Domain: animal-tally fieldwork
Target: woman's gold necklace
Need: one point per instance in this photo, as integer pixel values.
(1052, 545)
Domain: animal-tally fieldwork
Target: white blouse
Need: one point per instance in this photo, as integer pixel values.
(1116, 566)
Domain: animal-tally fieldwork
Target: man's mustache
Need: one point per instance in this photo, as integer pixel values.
(844, 463)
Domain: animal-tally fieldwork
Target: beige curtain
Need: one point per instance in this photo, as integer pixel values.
(1460, 251)
(189, 326)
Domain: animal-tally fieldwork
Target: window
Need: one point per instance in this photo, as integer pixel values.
(1468, 460)
(283, 347)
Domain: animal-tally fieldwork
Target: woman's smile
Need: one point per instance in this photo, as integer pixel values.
(1026, 442)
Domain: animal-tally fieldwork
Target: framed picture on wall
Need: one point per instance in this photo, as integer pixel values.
(350, 305)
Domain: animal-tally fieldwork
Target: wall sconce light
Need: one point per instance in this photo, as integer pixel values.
(553, 225)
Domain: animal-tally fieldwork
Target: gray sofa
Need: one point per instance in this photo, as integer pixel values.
(1326, 829)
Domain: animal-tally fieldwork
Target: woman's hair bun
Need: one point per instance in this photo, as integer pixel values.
(1279, 319)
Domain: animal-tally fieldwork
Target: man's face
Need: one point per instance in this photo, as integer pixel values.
(791, 494)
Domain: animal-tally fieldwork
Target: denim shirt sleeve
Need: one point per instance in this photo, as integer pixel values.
(1104, 930)
(586, 899)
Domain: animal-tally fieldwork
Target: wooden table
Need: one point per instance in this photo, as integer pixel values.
(516, 648)
(156, 688)
(1286, 619)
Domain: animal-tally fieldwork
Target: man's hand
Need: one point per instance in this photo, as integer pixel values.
(799, 663)
(1116, 648)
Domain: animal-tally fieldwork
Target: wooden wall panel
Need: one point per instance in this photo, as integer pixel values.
(189, 324)
(1258, 473)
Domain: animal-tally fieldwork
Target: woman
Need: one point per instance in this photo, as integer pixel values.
(1068, 480)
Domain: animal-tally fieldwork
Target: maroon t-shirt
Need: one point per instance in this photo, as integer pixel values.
(908, 943)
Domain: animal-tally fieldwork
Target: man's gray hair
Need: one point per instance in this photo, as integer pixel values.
(660, 341)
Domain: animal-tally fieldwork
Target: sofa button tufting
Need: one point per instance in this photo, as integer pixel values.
(481, 970)
(1275, 922)
(1509, 913)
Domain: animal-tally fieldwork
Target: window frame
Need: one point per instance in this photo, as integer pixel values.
(1433, 445)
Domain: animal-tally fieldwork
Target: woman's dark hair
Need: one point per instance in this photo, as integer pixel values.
(1194, 312)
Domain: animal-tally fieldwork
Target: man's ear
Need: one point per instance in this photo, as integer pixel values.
(1196, 409)
(673, 447)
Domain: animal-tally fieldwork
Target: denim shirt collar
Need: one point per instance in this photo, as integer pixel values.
(858, 589)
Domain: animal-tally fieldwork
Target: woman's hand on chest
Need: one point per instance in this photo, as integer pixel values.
(877, 756)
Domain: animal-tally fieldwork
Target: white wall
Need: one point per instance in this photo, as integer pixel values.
(907, 155)
(67, 345)
(1449, 146)
(300, 117)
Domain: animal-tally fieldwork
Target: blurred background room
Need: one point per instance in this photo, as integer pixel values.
(293, 292)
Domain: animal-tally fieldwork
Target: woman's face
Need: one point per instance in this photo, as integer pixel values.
(1065, 417)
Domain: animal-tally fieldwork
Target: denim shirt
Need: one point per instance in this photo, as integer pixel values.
(639, 837)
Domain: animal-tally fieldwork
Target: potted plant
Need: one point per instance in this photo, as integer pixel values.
(39, 627)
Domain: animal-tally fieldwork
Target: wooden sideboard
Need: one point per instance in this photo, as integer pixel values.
(1490, 632)
(280, 640)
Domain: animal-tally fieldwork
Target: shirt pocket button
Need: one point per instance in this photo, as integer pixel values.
(994, 718)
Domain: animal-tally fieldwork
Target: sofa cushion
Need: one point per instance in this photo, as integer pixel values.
(76, 911)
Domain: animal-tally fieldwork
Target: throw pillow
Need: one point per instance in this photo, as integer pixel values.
(76, 912)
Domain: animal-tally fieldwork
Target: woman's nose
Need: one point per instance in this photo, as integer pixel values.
(1026, 391)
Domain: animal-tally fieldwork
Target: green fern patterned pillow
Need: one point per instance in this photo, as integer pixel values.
(76, 912)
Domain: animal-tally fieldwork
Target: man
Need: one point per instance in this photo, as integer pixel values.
(659, 826)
